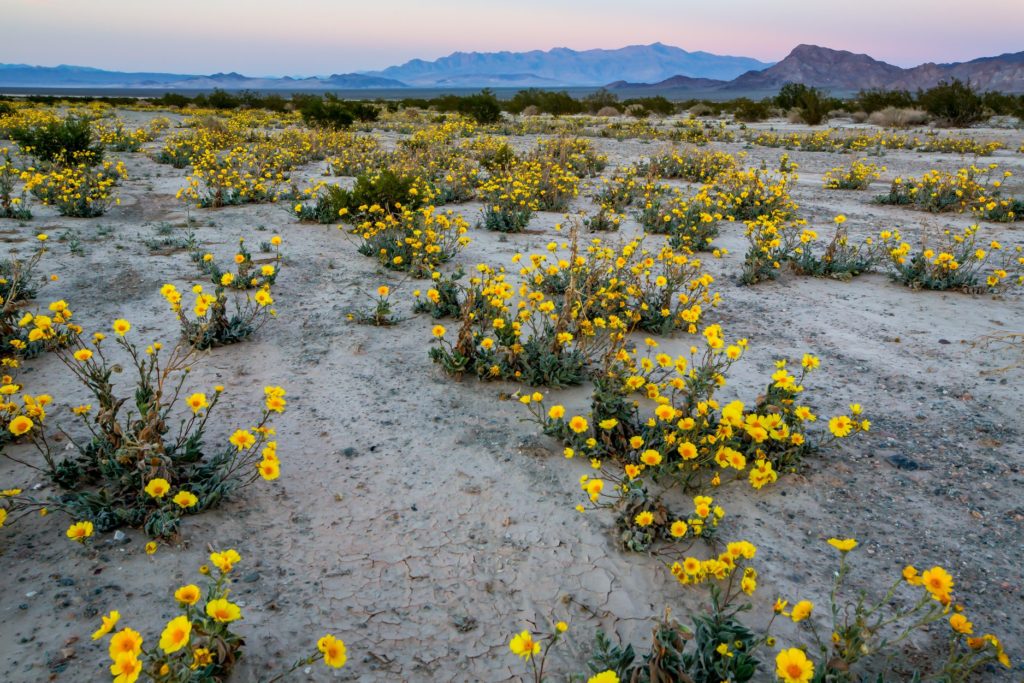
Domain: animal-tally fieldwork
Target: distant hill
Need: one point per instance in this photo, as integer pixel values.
(496, 81)
(565, 67)
(821, 67)
(64, 76)
(841, 70)
(680, 82)
(24, 75)
(1004, 73)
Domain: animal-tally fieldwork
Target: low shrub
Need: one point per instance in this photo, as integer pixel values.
(249, 273)
(483, 108)
(839, 259)
(17, 287)
(68, 141)
(331, 113)
(381, 315)
(385, 191)
(748, 111)
(862, 633)
(871, 101)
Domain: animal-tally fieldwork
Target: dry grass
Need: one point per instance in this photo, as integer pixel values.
(893, 117)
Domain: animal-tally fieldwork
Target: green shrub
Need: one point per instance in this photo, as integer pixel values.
(1000, 103)
(326, 114)
(547, 102)
(681, 655)
(839, 259)
(68, 141)
(596, 101)
(812, 104)
(653, 105)
(871, 101)
(482, 108)
(748, 111)
(330, 112)
(791, 95)
(954, 103)
(389, 189)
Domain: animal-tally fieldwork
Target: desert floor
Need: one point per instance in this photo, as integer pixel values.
(422, 521)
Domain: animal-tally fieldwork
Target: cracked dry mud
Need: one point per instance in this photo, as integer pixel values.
(422, 521)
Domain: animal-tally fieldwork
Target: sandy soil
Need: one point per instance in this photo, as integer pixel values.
(421, 521)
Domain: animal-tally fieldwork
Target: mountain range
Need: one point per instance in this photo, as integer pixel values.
(653, 69)
(841, 70)
(565, 67)
(64, 76)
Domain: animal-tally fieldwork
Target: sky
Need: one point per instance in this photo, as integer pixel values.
(319, 37)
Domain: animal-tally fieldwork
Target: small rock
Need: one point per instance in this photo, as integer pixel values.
(903, 462)
(464, 623)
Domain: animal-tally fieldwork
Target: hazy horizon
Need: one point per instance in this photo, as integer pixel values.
(319, 37)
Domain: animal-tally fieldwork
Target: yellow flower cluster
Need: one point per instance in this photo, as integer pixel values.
(858, 175)
(694, 164)
(416, 241)
(690, 221)
(572, 309)
(972, 188)
(81, 191)
(752, 193)
(116, 137)
(832, 140)
(953, 260)
(13, 202)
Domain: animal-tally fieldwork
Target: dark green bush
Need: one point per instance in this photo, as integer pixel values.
(814, 107)
(326, 114)
(1003, 104)
(483, 108)
(748, 111)
(954, 103)
(219, 99)
(596, 101)
(171, 99)
(871, 101)
(655, 105)
(791, 95)
(812, 104)
(387, 189)
(330, 112)
(69, 140)
(546, 101)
